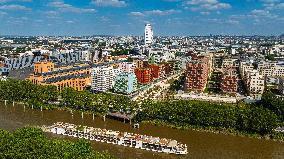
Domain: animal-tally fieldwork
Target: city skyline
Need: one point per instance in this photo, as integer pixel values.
(128, 17)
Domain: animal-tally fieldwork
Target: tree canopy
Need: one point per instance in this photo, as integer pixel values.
(32, 143)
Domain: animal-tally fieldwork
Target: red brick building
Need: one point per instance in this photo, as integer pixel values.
(169, 68)
(229, 81)
(158, 70)
(197, 74)
(144, 75)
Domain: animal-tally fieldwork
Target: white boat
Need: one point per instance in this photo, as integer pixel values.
(138, 141)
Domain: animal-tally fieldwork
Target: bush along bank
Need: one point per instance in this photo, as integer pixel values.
(48, 97)
(32, 143)
(245, 120)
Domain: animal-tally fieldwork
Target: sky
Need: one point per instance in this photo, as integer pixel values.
(128, 17)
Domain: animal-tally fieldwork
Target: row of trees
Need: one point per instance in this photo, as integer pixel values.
(32, 143)
(272, 102)
(204, 114)
(25, 91)
(43, 96)
(260, 119)
(99, 103)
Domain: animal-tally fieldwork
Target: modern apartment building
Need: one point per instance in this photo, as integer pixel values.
(244, 67)
(127, 66)
(144, 75)
(269, 68)
(4, 71)
(230, 62)
(229, 81)
(197, 72)
(158, 71)
(77, 76)
(103, 78)
(255, 83)
(139, 63)
(125, 83)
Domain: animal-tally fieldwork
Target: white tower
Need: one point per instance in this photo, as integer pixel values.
(148, 34)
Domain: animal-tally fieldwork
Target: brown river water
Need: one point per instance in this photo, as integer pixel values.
(201, 145)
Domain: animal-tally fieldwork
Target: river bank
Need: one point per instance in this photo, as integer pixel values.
(276, 136)
(201, 144)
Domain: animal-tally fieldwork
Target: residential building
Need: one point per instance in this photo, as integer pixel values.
(230, 62)
(244, 67)
(255, 83)
(4, 71)
(127, 66)
(125, 83)
(139, 63)
(196, 74)
(158, 71)
(229, 81)
(43, 67)
(269, 68)
(77, 76)
(103, 78)
(169, 68)
(144, 75)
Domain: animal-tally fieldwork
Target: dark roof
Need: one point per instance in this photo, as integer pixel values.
(62, 78)
(74, 68)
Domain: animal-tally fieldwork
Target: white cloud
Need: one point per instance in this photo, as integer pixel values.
(203, 5)
(262, 14)
(14, 7)
(205, 13)
(137, 14)
(3, 13)
(269, 1)
(223, 21)
(155, 12)
(274, 6)
(63, 7)
(171, 0)
(51, 14)
(109, 3)
(161, 12)
(70, 21)
(199, 2)
(6, 1)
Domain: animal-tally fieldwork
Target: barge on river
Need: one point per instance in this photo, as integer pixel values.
(138, 141)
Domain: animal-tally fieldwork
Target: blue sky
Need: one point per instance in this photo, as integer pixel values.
(127, 17)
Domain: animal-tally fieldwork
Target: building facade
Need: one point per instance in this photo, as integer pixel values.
(197, 72)
(127, 67)
(148, 35)
(125, 83)
(269, 68)
(229, 81)
(102, 78)
(144, 75)
(158, 71)
(76, 77)
(255, 83)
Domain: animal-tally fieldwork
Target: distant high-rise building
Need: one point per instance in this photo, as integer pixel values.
(148, 34)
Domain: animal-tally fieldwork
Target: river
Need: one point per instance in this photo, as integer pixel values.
(201, 145)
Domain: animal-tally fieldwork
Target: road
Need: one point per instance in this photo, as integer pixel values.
(162, 83)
